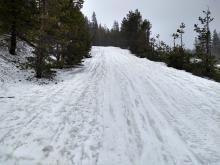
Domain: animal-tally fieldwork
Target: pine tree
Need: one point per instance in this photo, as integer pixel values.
(115, 34)
(130, 27)
(144, 38)
(42, 45)
(136, 32)
(204, 31)
(204, 37)
(62, 31)
(94, 30)
(115, 26)
(181, 31)
(175, 36)
(197, 46)
(16, 18)
(216, 44)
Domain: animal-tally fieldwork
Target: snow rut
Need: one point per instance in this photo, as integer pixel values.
(118, 109)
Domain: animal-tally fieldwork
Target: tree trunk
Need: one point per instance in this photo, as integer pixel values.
(41, 44)
(181, 40)
(62, 60)
(13, 43)
(39, 70)
(57, 53)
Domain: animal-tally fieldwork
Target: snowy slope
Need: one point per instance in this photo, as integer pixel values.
(10, 65)
(115, 110)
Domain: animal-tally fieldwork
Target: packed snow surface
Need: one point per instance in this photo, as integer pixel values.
(116, 109)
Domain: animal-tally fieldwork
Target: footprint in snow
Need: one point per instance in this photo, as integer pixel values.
(47, 150)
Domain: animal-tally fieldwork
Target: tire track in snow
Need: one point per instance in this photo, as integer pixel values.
(67, 110)
(118, 110)
(126, 75)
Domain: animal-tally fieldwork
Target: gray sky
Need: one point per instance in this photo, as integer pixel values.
(165, 15)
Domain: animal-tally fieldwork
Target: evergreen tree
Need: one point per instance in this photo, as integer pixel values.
(181, 32)
(115, 34)
(94, 29)
(136, 32)
(175, 36)
(115, 26)
(62, 31)
(204, 37)
(130, 27)
(197, 46)
(216, 44)
(204, 34)
(144, 39)
(103, 36)
(16, 19)
(41, 49)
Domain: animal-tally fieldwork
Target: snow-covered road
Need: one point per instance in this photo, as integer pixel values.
(115, 110)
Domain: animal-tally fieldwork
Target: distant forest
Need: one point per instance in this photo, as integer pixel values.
(134, 33)
(58, 29)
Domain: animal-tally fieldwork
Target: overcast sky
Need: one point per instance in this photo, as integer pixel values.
(165, 15)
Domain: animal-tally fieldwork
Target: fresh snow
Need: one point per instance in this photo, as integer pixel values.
(116, 109)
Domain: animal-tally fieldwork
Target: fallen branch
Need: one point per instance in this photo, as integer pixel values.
(11, 97)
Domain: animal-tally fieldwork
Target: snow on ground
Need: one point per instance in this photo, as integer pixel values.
(10, 65)
(115, 110)
(218, 66)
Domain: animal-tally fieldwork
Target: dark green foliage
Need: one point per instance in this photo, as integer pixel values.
(175, 37)
(181, 31)
(176, 59)
(102, 36)
(182, 60)
(136, 33)
(65, 34)
(72, 37)
(115, 35)
(130, 28)
(204, 44)
(94, 30)
(135, 36)
(53, 27)
(201, 63)
(57, 28)
(216, 45)
(16, 19)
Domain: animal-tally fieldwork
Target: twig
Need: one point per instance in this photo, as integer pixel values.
(10, 97)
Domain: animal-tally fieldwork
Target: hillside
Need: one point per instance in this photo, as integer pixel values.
(116, 109)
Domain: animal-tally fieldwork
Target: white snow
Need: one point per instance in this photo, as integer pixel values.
(195, 60)
(115, 110)
(10, 66)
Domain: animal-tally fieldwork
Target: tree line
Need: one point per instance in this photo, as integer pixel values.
(134, 33)
(58, 28)
(54, 28)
